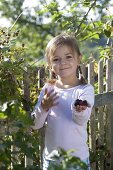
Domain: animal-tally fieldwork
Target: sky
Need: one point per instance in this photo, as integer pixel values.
(5, 23)
(27, 3)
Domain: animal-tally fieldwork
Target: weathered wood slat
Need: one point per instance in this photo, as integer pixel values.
(111, 75)
(111, 117)
(26, 82)
(92, 128)
(100, 77)
(41, 76)
(111, 136)
(100, 114)
(108, 112)
(91, 73)
(103, 99)
(108, 75)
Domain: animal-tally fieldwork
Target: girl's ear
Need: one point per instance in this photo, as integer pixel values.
(79, 58)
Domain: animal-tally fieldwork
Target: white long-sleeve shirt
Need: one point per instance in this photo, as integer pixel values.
(66, 128)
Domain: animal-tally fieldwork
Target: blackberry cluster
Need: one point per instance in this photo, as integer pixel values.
(81, 103)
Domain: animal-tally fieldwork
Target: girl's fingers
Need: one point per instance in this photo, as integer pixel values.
(50, 98)
(55, 104)
(49, 93)
(55, 97)
(84, 107)
(45, 91)
(53, 100)
(80, 108)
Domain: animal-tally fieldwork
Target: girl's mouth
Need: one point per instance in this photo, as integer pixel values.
(64, 68)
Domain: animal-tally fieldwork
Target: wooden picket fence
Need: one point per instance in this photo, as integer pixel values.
(100, 125)
(100, 75)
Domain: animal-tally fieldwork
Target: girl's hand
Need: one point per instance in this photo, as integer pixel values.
(49, 100)
(80, 108)
(81, 105)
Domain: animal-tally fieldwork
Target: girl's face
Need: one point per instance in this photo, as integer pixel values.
(64, 62)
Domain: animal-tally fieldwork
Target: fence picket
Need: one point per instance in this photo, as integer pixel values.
(92, 128)
(108, 112)
(111, 117)
(100, 110)
(41, 77)
(26, 83)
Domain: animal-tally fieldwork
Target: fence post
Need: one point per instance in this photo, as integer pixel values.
(41, 78)
(100, 140)
(26, 82)
(92, 128)
(111, 117)
(108, 115)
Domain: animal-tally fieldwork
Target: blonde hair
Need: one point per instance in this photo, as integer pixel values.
(59, 40)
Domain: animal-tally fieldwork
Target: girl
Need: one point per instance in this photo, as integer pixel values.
(66, 120)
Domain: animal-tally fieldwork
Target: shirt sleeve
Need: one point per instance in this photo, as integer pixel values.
(81, 118)
(39, 114)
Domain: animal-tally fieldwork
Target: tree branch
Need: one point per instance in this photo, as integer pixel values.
(85, 16)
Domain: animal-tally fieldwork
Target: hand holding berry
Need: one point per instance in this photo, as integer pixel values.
(81, 105)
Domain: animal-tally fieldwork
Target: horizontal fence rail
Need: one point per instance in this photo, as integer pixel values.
(103, 99)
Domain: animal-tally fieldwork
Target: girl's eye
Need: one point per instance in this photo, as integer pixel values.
(55, 59)
(69, 56)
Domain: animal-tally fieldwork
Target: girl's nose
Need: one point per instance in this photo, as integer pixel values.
(62, 61)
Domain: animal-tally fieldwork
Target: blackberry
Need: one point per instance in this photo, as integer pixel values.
(81, 103)
(78, 102)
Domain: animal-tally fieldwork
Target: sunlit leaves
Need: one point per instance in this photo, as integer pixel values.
(67, 161)
(86, 2)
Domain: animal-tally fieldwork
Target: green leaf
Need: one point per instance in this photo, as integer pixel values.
(98, 6)
(96, 36)
(86, 2)
(13, 42)
(107, 33)
(5, 48)
(2, 115)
